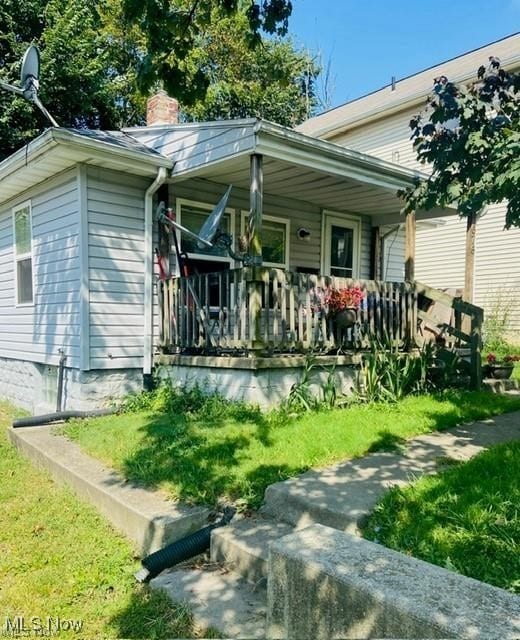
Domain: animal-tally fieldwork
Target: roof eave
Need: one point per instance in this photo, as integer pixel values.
(298, 148)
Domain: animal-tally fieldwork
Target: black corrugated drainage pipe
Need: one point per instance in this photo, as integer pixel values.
(184, 549)
(47, 418)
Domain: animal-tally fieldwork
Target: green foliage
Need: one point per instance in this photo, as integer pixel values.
(302, 399)
(273, 81)
(213, 459)
(466, 519)
(86, 70)
(388, 374)
(471, 138)
(191, 402)
(175, 34)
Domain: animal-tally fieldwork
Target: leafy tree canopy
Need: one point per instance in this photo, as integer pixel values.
(172, 29)
(272, 81)
(470, 137)
(91, 57)
(85, 74)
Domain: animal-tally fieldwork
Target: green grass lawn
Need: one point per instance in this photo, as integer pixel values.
(58, 558)
(466, 519)
(234, 454)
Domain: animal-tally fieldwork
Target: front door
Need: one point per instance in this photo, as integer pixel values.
(341, 250)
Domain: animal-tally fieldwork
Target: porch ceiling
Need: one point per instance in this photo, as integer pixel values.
(328, 191)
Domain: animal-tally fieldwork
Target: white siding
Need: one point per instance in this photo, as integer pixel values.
(497, 268)
(440, 251)
(388, 139)
(116, 268)
(393, 253)
(36, 332)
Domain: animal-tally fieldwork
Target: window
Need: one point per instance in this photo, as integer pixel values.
(341, 250)
(193, 215)
(22, 225)
(275, 240)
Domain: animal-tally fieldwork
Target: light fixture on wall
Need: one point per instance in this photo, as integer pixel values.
(303, 233)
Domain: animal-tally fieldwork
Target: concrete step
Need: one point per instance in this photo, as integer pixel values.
(244, 545)
(343, 495)
(145, 516)
(219, 599)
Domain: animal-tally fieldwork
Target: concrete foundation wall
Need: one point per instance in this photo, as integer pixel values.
(262, 381)
(33, 386)
(323, 584)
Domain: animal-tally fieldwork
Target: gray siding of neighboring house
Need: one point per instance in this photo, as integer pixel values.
(35, 333)
(115, 204)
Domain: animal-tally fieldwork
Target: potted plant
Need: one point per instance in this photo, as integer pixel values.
(500, 368)
(342, 305)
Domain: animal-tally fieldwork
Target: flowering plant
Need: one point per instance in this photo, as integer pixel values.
(508, 360)
(336, 300)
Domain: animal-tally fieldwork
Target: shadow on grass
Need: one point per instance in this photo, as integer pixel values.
(204, 464)
(387, 441)
(206, 458)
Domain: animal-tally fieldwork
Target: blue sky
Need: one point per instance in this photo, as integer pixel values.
(369, 41)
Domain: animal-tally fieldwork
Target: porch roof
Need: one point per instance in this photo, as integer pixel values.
(295, 165)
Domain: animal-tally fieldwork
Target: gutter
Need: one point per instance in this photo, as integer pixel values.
(162, 174)
(389, 108)
(368, 165)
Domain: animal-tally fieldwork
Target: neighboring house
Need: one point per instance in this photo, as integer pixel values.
(78, 235)
(378, 124)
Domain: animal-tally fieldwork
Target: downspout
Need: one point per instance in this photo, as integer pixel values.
(148, 273)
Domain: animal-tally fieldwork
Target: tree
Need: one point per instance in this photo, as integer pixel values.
(173, 28)
(470, 136)
(272, 81)
(87, 74)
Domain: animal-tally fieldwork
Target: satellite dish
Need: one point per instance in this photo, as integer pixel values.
(210, 227)
(30, 71)
(29, 77)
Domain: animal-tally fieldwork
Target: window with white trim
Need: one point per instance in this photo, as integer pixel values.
(193, 215)
(275, 240)
(22, 225)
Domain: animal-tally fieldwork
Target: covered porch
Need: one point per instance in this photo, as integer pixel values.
(312, 215)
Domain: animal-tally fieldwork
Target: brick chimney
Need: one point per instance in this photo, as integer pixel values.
(161, 109)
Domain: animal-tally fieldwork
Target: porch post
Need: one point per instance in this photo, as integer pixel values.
(409, 265)
(469, 266)
(256, 197)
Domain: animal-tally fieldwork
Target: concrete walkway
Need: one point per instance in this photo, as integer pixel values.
(343, 495)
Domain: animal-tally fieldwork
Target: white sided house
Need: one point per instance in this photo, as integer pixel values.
(80, 247)
(378, 124)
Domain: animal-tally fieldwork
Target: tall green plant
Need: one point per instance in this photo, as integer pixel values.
(388, 374)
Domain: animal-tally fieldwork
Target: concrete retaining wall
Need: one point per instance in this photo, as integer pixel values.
(262, 381)
(327, 584)
(33, 386)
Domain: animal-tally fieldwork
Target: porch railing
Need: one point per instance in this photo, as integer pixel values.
(267, 309)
